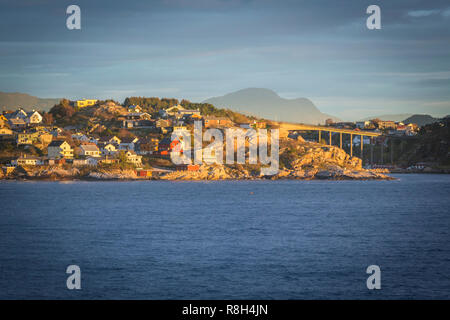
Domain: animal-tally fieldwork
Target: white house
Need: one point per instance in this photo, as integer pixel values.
(34, 117)
(362, 124)
(108, 149)
(133, 158)
(27, 161)
(128, 143)
(90, 150)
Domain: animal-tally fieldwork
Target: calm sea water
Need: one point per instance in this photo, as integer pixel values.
(226, 240)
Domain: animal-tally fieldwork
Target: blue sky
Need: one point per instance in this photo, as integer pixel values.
(198, 49)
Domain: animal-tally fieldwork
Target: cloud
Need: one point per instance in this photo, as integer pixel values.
(423, 13)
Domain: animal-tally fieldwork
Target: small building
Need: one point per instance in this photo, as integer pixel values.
(26, 160)
(5, 132)
(133, 158)
(134, 109)
(128, 143)
(108, 149)
(59, 149)
(33, 117)
(383, 125)
(89, 150)
(17, 124)
(187, 167)
(85, 103)
(362, 124)
(147, 145)
(211, 121)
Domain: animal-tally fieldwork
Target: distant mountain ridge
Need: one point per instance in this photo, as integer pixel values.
(13, 100)
(268, 104)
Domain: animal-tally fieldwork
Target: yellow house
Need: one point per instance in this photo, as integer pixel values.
(5, 131)
(27, 138)
(85, 103)
(59, 149)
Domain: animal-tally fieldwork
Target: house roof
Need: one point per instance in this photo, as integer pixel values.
(56, 143)
(89, 147)
(128, 140)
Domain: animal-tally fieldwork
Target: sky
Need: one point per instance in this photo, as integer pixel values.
(197, 49)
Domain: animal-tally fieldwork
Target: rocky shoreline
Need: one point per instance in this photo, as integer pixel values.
(299, 160)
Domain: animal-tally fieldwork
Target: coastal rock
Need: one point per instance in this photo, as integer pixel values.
(116, 174)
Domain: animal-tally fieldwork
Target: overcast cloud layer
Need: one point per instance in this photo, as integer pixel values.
(197, 49)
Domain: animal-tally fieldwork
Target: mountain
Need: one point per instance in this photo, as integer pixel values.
(13, 100)
(267, 104)
(393, 117)
(420, 119)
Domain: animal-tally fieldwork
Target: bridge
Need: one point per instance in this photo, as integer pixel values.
(285, 128)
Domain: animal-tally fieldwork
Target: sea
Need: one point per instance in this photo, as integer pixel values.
(226, 239)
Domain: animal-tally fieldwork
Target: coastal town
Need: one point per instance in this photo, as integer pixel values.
(91, 135)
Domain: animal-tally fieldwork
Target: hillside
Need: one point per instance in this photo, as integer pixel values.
(268, 104)
(393, 117)
(13, 100)
(421, 119)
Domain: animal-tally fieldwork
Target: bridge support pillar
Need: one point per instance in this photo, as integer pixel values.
(330, 139)
(351, 145)
(362, 149)
(320, 136)
(371, 150)
(340, 139)
(381, 147)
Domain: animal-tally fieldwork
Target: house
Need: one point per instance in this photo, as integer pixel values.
(85, 103)
(26, 138)
(128, 143)
(134, 109)
(113, 140)
(17, 123)
(59, 149)
(107, 160)
(133, 158)
(362, 124)
(260, 124)
(56, 131)
(108, 148)
(211, 121)
(26, 160)
(185, 113)
(138, 116)
(167, 145)
(163, 113)
(172, 111)
(5, 132)
(131, 123)
(382, 125)
(18, 114)
(80, 137)
(147, 145)
(90, 150)
(163, 123)
(33, 117)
